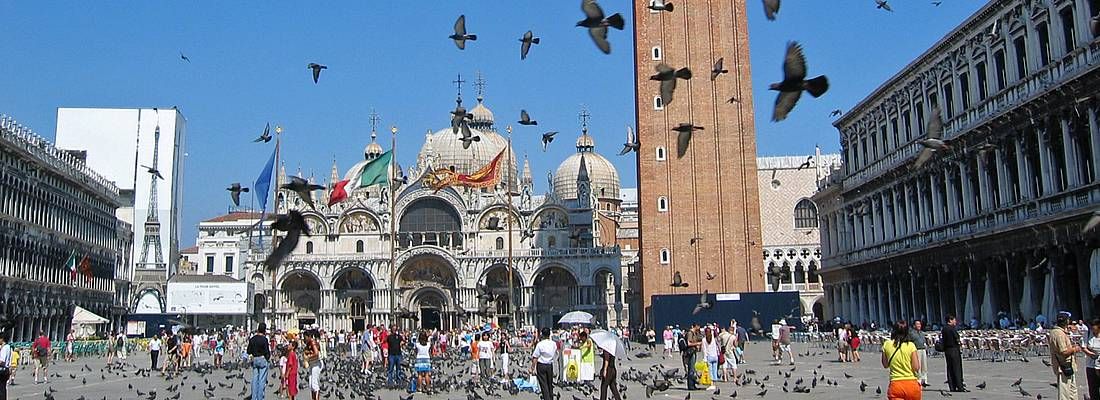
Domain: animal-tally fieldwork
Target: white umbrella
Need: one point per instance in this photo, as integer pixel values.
(608, 341)
(576, 317)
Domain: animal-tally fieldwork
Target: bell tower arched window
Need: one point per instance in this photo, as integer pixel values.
(805, 214)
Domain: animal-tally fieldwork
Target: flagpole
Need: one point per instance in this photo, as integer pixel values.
(275, 208)
(393, 230)
(512, 214)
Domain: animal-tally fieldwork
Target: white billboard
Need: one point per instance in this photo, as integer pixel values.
(119, 143)
(208, 297)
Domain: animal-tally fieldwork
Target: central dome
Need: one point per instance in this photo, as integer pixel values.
(444, 148)
(602, 174)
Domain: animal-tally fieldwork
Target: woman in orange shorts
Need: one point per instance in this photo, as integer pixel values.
(899, 355)
(185, 351)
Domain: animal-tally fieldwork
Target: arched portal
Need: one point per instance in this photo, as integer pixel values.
(302, 292)
(354, 293)
(554, 295)
(496, 282)
(149, 303)
(259, 302)
(423, 274)
(430, 221)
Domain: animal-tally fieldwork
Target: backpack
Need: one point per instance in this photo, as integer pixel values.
(119, 342)
(682, 344)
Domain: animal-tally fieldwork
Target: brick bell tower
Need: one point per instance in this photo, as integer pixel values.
(699, 211)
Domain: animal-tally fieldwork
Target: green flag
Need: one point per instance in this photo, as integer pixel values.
(376, 172)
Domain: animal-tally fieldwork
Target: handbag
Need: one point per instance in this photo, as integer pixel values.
(938, 346)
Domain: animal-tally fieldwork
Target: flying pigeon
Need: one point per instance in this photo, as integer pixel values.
(316, 70)
(667, 76)
(660, 5)
(295, 226)
(235, 192)
(677, 281)
(805, 164)
(718, 69)
(934, 142)
(525, 44)
(525, 119)
(468, 140)
(460, 36)
(703, 305)
(184, 58)
(597, 24)
(631, 142)
(547, 138)
(881, 4)
(155, 172)
(266, 136)
(794, 82)
(683, 139)
(303, 188)
(771, 7)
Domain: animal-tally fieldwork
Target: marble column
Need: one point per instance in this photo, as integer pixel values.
(1073, 172)
(984, 188)
(967, 190)
(919, 222)
(1003, 186)
(891, 301)
(935, 216)
(1094, 140)
(1045, 170)
(1027, 190)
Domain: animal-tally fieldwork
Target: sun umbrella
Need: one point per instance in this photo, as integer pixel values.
(608, 341)
(576, 317)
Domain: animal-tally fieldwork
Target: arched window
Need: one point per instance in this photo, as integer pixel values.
(658, 103)
(309, 247)
(359, 246)
(656, 53)
(805, 214)
(662, 204)
(500, 243)
(660, 153)
(665, 257)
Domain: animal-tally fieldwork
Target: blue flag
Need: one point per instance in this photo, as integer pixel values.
(263, 183)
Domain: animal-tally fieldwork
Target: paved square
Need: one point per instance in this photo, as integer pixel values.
(998, 377)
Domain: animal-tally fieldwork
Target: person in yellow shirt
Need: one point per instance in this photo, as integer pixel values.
(899, 355)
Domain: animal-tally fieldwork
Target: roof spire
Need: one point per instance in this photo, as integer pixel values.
(374, 120)
(584, 118)
(585, 142)
(480, 84)
(458, 84)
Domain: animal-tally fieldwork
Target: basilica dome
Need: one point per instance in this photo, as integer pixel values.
(601, 173)
(443, 149)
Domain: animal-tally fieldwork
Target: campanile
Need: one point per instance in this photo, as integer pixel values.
(699, 207)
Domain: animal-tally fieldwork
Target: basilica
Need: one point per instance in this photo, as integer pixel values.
(457, 255)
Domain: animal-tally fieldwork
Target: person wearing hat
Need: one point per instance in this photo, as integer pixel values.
(260, 351)
(1062, 357)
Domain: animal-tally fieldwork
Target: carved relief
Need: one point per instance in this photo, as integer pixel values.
(359, 222)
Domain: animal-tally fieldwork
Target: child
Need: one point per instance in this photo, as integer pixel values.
(282, 372)
(14, 366)
(855, 346)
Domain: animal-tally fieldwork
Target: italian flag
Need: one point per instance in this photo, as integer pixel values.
(375, 172)
(71, 264)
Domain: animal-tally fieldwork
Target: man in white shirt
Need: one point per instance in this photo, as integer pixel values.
(485, 357)
(542, 362)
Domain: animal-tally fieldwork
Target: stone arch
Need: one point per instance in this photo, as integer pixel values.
(495, 279)
(433, 251)
(354, 283)
(609, 270)
(148, 299)
(554, 293)
(302, 289)
(318, 226)
(495, 211)
(447, 195)
(536, 222)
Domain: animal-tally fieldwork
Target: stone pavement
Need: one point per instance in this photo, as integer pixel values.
(97, 384)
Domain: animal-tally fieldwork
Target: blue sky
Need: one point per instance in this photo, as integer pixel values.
(249, 67)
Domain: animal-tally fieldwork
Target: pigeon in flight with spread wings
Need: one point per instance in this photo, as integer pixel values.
(794, 82)
(235, 191)
(525, 44)
(460, 36)
(294, 224)
(597, 24)
(631, 142)
(934, 142)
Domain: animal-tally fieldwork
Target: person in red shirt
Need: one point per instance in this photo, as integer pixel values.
(40, 351)
(385, 348)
